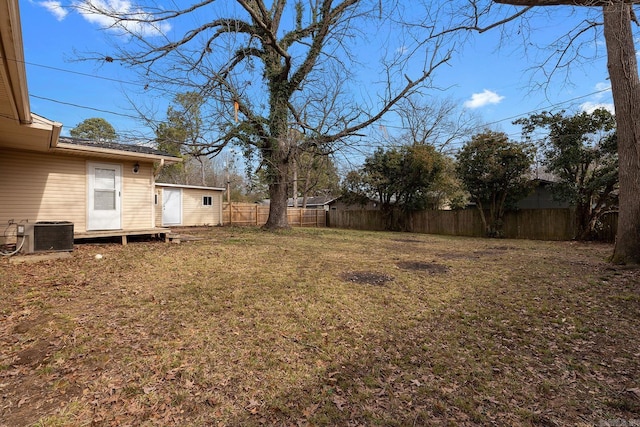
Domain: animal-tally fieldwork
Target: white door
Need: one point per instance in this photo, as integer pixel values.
(104, 199)
(171, 206)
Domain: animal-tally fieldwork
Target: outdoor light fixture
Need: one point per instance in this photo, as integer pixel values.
(136, 168)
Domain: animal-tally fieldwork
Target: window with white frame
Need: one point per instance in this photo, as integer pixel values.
(207, 201)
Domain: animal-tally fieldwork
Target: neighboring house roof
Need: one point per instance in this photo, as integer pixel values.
(113, 150)
(195, 187)
(542, 175)
(313, 201)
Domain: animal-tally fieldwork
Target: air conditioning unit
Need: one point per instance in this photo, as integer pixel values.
(48, 236)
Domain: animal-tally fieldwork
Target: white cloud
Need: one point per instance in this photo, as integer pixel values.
(486, 97)
(89, 10)
(590, 107)
(603, 89)
(56, 9)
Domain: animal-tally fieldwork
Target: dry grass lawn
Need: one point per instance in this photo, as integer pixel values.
(314, 327)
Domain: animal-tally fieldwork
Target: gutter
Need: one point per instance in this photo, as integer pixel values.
(64, 147)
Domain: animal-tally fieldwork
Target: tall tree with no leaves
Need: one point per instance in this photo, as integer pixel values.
(268, 67)
(625, 86)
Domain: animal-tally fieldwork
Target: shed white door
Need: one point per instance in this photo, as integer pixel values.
(171, 206)
(104, 198)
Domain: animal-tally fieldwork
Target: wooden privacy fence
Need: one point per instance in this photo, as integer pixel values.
(256, 215)
(607, 227)
(535, 224)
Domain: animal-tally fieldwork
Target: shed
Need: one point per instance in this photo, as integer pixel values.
(187, 205)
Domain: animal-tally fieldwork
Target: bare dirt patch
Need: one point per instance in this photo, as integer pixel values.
(503, 248)
(366, 278)
(460, 255)
(34, 355)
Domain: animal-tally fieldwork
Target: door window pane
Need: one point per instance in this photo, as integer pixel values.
(104, 200)
(105, 179)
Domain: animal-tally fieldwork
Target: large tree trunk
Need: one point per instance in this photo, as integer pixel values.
(277, 150)
(278, 205)
(625, 87)
(278, 169)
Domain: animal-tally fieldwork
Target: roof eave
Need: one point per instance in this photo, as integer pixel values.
(13, 60)
(74, 149)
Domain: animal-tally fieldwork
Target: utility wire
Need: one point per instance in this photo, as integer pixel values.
(130, 116)
(79, 73)
(100, 110)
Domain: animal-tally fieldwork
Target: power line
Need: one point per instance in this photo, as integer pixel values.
(145, 86)
(551, 107)
(84, 107)
(79, 73)
(105, 111)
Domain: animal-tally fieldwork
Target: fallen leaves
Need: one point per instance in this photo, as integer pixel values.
(339, 401)
(203, 334)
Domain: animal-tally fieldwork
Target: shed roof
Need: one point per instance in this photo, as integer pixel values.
(194, 187)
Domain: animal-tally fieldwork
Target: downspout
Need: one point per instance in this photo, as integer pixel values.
(154, 193)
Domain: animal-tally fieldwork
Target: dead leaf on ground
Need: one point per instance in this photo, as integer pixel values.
(339, 401)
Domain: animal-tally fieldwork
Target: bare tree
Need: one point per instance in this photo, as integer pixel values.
(439, 122)
(265, 69)
(625, 86)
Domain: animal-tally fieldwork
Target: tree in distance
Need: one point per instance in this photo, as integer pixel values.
(581, 151)
(494, 171)
(95, 129)
(402, 179)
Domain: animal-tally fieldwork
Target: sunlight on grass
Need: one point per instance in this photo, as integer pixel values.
(247, 327)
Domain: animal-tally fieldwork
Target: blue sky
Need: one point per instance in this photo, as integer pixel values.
(492, 82)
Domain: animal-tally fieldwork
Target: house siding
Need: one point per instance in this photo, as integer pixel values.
(41, 187)
(52, 187)
(137, 196)
(193, 212)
